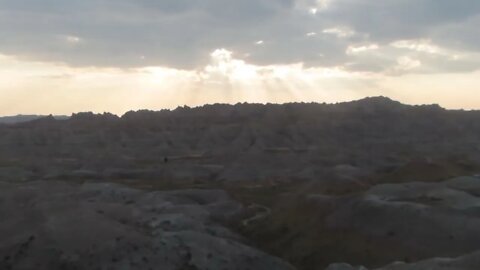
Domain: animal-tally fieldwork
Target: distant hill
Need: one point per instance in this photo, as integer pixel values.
(26, 118)
(242, 142)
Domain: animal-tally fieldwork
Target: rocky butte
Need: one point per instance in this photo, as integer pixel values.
(367, 184)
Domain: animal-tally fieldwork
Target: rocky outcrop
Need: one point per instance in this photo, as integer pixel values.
(247, 142)
(48, 225)
(406, 222)
(467, 262)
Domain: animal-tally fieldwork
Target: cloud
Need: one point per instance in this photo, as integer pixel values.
(402, 19)
(418, 45)
(45, 87)
(225, 79)
(313, 6)
(351, 50)
(340, 32)
(181, 33)
(406, 63)
(72, 39)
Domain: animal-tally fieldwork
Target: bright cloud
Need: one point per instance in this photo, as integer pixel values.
(323, 4)
(418, 45)
(225, 79)
(36, 87)
(73, 39)
(315, 6)
(351, 50)
(340, 32)
(426, 46)
(406, 63)
(313, 10)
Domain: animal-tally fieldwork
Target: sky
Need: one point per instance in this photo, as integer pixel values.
(64, 56)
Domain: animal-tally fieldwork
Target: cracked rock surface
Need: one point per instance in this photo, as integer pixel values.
(53, 225)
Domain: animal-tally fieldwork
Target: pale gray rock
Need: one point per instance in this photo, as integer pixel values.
(467, 262)
(344, 266)
(54, 225)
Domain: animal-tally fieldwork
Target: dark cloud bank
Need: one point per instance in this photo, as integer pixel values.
(181, 34)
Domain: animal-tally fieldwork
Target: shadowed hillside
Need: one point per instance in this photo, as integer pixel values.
(25, 118)
(244, 142)
(368, 182)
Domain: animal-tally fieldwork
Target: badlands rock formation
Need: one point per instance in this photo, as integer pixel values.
(467, 262)
(371, 183)
(239, 143)
(49, 225)
(407, 222)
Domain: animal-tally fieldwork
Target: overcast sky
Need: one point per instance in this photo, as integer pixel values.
(63, 56)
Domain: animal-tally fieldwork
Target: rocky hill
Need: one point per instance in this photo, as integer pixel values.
(105, 226)
(25, 118)
(243, 142)
(372, 183)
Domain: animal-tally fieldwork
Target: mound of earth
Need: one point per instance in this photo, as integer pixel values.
(386, 223)
(51, 225)
(467, 262)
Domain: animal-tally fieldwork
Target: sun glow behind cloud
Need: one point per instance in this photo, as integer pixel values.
(230, 80)
(67, 56)
(37, 87)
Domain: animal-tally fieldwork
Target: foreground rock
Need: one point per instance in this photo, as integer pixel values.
(468, 262)
(48, 225)
(407, 222)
